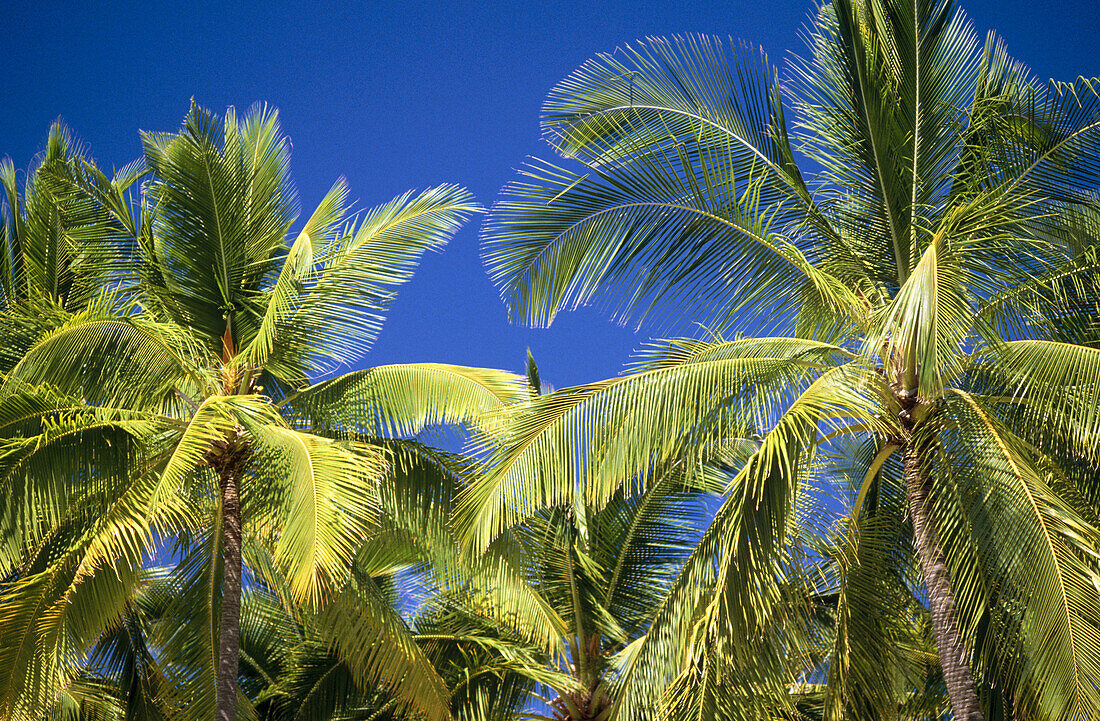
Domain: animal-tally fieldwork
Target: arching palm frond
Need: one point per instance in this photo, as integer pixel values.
(674, 405)
(222, 205)
(336, 283)
(696, 171)
(401, 400)
(1007, 503)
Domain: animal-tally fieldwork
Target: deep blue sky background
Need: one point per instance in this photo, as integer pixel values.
(399, 95)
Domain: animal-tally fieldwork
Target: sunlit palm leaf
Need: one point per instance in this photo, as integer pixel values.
(400, 400)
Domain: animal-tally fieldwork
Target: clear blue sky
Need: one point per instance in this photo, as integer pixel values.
(399, 95)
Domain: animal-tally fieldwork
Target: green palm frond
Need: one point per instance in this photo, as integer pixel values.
(928, 320)
(1059, 304)
(24, 326)
(879, 107)
(676, 187)
(560, 238)
(318, 686)
(223, 205)
(120, 362)
(1048, 146)
(494, 682)
(51, 238)
(330, 505)
(401, 400)
(414, 496)
(284, 295)
(125, 660)
(53, 616)
(730, 610)
(1051, 391)
(417, 498)
(678, 405)
(365, 633)
(642, 541)
(1048, 598)
(346, 293)
(49, 439)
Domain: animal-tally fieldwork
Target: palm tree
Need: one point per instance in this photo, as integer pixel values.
(924, 290)
(174, 416)
(602, 571)
(298, 663)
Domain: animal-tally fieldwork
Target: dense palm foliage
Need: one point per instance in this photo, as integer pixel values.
(167, 413)
(583, 583)
(600, 570)
(48, 249)
(302, 664)
(867, 490)
(907, 323)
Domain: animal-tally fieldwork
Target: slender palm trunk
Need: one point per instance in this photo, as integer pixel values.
(941, 599)
(229, 628)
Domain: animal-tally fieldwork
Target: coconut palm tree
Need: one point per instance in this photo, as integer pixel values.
(923, 286)
(298, 663)
(176, 416)
(602, 571)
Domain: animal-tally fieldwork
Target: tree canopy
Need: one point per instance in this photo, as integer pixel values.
(864, 486)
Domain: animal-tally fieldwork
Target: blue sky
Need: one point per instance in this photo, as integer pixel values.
(400, 95)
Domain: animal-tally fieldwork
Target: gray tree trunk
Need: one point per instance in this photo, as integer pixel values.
(950, 644)
(229, 628)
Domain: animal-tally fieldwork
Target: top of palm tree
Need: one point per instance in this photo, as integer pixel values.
(892, 246)
(184, 398)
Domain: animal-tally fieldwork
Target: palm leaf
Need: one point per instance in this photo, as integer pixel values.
(401, 400)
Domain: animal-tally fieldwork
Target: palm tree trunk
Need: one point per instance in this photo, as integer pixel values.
(941, 599)
(229, 628)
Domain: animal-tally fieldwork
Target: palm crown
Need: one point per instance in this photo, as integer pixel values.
(173, 408)
(917, 317)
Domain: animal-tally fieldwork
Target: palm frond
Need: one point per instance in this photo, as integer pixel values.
(1047, 600)
(366, 634)
(330, 505)
(690, 195)
(401, 400)
(347, 292)
(608, 434)
(117, 361)
(296, 268)
(223, 204)
(730, 609)
(1050, 390)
